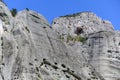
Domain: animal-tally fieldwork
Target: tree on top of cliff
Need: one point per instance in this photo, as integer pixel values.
(13, 12)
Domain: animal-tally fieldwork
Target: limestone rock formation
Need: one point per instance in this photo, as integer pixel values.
(101, 42)
(76, 47)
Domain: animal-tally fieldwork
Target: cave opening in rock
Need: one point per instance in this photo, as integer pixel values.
(79, 31)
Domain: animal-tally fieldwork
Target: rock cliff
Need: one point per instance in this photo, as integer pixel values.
(80, 46)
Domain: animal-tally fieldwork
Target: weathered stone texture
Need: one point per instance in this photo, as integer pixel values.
(81, 46)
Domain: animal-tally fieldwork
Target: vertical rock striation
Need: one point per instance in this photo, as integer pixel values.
(101, 48)
(76, 47)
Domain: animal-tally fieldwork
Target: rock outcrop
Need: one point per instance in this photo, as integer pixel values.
(76, 47)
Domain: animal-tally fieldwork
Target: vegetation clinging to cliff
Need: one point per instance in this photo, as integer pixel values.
(13, 12)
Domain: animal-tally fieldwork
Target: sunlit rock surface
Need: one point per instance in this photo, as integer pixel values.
(80, 46)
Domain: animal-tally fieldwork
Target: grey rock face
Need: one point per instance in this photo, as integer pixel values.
(88, 21)
(101, 46)
(77, 47)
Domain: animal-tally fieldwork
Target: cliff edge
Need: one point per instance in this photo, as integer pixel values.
(80, 46)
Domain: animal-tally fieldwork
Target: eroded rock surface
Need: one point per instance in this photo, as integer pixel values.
(76, 47)
(101, 43)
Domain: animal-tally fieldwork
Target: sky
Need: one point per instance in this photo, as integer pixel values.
(50, 9)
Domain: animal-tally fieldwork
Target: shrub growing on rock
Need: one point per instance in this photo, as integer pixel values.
(13, 12)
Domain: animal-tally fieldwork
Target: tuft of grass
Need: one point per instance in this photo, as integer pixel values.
(76, 38)
(71, 15)
(61, 37)
(80, 39)
(69, 38)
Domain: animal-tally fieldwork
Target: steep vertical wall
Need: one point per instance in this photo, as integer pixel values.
(101, 46)
(37, 43)
(31, 50)
(104, 54)
(76, 47)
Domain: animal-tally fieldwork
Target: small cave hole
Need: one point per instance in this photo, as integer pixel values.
(44, 59)
(36, 60)
(37, 69)
(109, 51)
(55, 63)
(3, 64)
(78, 30)
(55, 67)
(27, 29)
(44, 27)
(30, 64)
(63, 65)
(54, 22)
(67, 76)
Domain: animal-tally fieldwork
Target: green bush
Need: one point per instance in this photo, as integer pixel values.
(27, 9)
(13, 12)
(71, 15)
(69, 38)
(76, 38)
(61, 37)
(80, 39)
